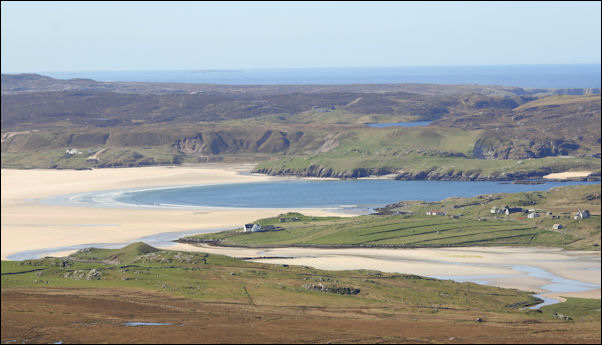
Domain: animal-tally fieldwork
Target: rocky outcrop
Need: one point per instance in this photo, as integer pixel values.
(92, 274)
(501, 148)
(429, 175)
(315, 170)
(341, 290)
(233, 142)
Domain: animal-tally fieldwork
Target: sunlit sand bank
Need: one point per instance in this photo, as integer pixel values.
(28, 224)
(529, 269)
(567, 175)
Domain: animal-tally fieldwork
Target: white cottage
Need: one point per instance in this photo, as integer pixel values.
(582, 214)
(252, 228)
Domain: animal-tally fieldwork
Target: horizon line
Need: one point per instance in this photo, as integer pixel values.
(303, 68)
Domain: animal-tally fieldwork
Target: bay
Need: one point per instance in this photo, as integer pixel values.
(344, 194)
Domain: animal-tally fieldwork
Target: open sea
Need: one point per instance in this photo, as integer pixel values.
(526, 76)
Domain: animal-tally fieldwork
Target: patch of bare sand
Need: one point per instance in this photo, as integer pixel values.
(567, 175)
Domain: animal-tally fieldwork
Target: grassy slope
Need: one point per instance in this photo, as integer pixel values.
(218, 278)
(444, 151)
(346, 151)
(473, 225)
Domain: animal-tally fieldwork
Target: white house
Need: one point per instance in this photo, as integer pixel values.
(582, 214)
(252, 228)
(496, 210)
(533, 215)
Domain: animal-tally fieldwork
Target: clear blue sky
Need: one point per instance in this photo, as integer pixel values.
(93, 36)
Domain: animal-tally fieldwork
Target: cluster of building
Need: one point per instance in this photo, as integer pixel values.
(506, 210)
(532, 213)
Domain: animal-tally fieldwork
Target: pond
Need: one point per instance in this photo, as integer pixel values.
(400, 124)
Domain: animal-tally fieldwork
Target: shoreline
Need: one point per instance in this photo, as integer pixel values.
(28, 224)
(498, 266)
(427, 175)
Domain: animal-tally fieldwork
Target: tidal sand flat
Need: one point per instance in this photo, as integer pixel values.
(550, 272)
(28, 224)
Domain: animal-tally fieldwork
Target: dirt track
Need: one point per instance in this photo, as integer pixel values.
(97, 316)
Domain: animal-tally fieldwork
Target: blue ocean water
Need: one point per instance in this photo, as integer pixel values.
(356, 194)
(528, 76)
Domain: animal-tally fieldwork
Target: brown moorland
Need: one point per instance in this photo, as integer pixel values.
(48, 315)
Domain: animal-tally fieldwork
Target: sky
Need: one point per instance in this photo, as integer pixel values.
(114, 36)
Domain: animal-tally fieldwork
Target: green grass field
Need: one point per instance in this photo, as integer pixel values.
(444, 152)
(467, 222)
(219, 278)
(392, 230)
(208, 277)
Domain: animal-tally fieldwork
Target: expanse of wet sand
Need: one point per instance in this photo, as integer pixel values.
(550, 272)
(28, 224)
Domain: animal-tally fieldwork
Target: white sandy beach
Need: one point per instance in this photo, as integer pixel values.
(567, 175)
(28, 224)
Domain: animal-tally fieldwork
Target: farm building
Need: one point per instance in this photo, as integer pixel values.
(557, 226)
(496, 210)
(510, 210)
(533, 215)
(582, 214)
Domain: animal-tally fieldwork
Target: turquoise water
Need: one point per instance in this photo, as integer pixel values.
(343, 194)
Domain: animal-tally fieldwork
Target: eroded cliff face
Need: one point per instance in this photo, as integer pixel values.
(523, 148)
(222, 142)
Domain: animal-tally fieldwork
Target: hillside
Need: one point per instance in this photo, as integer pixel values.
(309, 130)
(178, 297)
